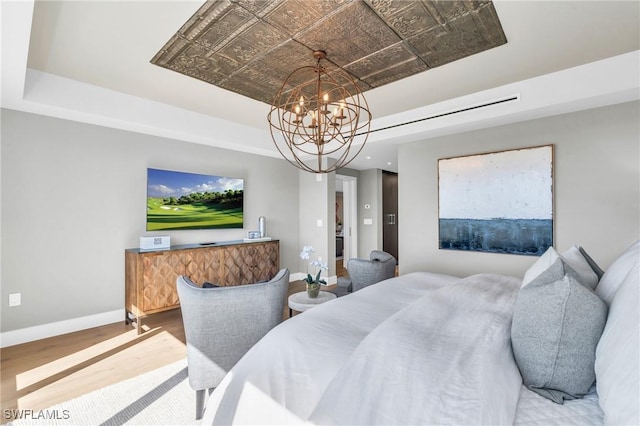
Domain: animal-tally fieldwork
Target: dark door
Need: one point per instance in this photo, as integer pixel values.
(390, 213)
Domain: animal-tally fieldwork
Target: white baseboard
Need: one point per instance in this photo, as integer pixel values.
(29, 334)
(298, 276)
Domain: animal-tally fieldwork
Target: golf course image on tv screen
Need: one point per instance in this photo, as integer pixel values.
(180, 200)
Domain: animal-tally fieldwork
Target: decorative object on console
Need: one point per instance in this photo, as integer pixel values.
(155, 243)
(499, 202)
(262, 226)
(319, 116)
(179, 200)
(313, 282)
(256, 239)
(260, 234)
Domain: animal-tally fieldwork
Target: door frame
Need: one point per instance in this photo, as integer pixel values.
(349, 217)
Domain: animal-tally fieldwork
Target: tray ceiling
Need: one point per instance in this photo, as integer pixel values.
(250, 47)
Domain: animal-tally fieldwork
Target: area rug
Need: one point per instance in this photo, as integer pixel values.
(159, 397)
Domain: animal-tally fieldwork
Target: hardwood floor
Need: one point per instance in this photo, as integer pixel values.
(37, 375)
(340, 270)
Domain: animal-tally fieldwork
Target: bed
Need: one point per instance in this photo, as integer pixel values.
(427, 348)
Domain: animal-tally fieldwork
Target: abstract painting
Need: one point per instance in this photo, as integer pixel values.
(500, 202)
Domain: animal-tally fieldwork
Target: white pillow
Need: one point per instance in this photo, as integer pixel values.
(618, 354)
(616, 273)
(572, 257)
(542, 264)
(578, 263)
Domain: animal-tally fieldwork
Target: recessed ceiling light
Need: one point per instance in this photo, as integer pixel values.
(388, 163)
(368, 158)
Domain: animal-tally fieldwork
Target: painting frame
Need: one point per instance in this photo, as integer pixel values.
(497, 202)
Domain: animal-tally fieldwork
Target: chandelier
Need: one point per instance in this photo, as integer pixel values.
(319, 120)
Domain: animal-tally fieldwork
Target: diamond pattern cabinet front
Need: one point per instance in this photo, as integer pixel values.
(203, 265)
(160, 272)
(250, 263)
(150, 277)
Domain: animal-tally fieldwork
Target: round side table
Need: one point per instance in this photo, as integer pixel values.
(301, 302)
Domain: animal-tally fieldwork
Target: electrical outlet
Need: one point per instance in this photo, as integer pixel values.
(14, 299)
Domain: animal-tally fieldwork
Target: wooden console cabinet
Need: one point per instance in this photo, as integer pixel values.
(150, 276)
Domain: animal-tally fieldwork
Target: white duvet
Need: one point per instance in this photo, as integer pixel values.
(423, 348)
(444, 359)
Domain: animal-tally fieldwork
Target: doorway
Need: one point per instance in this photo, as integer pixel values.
(390, 213)
(346, 219)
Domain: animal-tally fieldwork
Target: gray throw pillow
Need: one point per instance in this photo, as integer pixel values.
(557, 323)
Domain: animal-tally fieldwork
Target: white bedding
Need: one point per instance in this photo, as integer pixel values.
(403, 351)
(451, 347)
(280, 380)
(536, 410)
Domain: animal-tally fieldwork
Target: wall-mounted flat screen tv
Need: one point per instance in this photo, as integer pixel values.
(179, 200)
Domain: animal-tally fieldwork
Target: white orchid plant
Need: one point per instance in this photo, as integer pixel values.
(305, 254)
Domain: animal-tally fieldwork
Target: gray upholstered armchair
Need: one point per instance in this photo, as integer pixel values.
(362, 272)
(222, 323)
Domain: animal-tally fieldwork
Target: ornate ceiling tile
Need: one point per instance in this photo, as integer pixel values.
(254, 42)
(278, 62)
(355, 31)
(381, 60)
(397, 72)
(216, 23)
(462, 36)
(407, 18)
(295, 16)
(251, 46)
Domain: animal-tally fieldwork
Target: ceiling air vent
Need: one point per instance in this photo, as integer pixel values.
(512, 98)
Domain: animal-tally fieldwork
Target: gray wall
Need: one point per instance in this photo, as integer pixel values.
(74, 198)
(317, 201)
(596, 188)
(369, 193)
